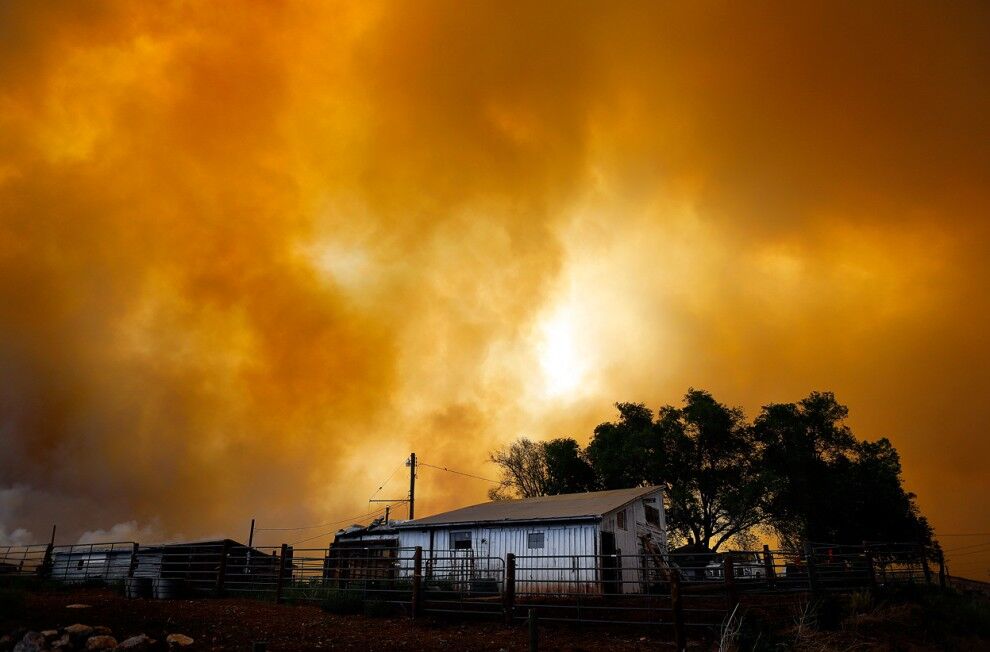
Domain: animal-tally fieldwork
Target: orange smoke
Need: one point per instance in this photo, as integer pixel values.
(250, 256)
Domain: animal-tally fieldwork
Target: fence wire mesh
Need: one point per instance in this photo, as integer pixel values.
(641, 589)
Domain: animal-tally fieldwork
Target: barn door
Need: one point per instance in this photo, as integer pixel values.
(609, 564)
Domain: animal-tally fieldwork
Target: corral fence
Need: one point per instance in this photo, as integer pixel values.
(681, 591)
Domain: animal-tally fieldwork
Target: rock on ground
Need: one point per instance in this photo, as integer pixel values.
(63, 643)
(79, 631)
(137, 643)
(32, 642)
(101, 642)
(178, 640)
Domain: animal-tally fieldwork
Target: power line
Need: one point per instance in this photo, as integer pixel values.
(469, 475)
(310, 527)
(972, 552)
(390, 476)
(972, 545)
(326, 534)
(313, 527)
(968, 534)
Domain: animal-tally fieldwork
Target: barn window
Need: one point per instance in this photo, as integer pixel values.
(620, 519)
(534, 540)
(460, 540)
(652, 515)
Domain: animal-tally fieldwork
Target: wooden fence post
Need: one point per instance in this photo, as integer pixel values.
(280, 574)
(731, 594)
(923, 554)
(534, 632)
(417, 583)
(509, 591)
(134, 560)
(941, 568)
(809, 557)
(870, 568)
(771, 570)
(222, 567)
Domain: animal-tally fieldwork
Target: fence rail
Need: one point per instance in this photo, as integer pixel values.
(677, 590)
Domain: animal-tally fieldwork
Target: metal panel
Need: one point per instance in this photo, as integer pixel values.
(635, 561)
(541, 508)
(569, 549)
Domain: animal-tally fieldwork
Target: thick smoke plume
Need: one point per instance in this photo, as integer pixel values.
(251, 256)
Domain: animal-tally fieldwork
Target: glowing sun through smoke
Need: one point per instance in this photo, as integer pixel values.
(564, 363)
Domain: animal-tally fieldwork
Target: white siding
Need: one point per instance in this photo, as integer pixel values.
(628, 542)
(82, 566)
(566, 563)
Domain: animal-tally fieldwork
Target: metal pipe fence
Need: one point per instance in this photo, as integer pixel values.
(685, 591)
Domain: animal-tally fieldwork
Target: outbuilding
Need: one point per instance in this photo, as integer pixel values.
(83, 563)
(592, 542)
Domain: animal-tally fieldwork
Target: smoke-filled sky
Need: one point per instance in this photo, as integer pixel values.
(253, 254)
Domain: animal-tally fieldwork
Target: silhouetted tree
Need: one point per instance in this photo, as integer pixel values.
(714, 489)
(531, 468)
(823, 485)
(797, 470)
(567, 469)
(702, 454)
(627, 452)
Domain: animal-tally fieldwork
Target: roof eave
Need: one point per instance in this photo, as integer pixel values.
(412, 525)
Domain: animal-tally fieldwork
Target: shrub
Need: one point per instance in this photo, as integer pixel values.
(860, 602)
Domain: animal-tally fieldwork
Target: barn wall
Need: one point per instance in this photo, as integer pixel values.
(566, 563)
(628, 542)
(82, 566)
(149, 563)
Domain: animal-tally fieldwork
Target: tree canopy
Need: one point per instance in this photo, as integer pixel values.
(822, 484)
(797, 470)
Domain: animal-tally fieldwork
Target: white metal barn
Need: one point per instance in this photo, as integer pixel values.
(594, 542)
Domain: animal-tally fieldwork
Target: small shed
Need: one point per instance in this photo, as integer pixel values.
(592, 542)
(197, 564)
(85, 563)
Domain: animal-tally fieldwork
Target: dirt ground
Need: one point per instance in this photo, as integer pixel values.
(234, 624)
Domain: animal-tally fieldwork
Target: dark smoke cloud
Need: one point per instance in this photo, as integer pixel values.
(251, 256)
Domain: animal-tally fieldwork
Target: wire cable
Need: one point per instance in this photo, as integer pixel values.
(971, 552)
(390, 476)
(329, 523)
(469, 475)
(326, 534)
(310, 527)
(972, 545)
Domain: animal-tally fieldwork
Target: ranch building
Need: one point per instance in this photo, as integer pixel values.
(593, 542)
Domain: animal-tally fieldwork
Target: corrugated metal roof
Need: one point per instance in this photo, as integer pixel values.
(564, 506)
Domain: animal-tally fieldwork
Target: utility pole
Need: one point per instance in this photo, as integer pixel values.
(247, 566)
(411, 463)
(412, 486)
